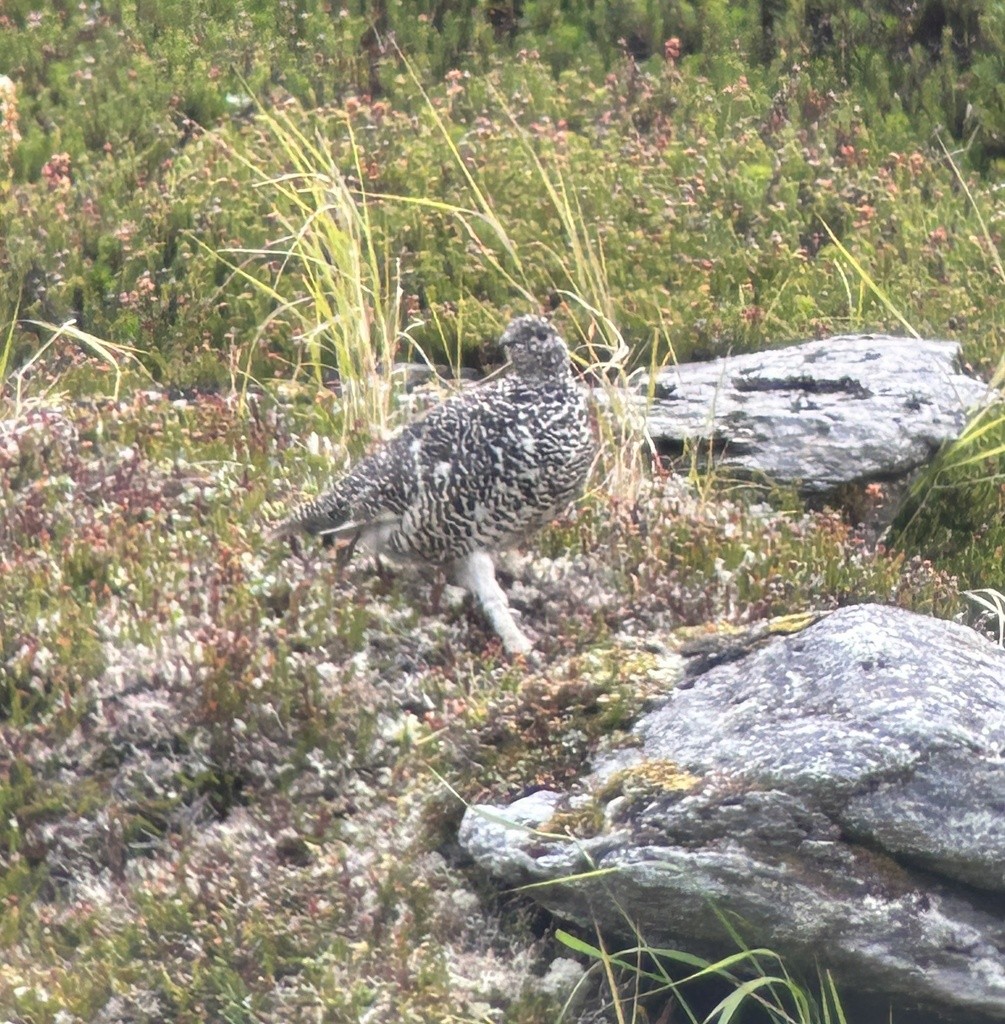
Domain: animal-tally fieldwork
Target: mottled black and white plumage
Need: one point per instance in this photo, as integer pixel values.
(474, 475)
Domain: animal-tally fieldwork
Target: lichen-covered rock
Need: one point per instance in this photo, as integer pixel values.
(847, 409)
(838, 791)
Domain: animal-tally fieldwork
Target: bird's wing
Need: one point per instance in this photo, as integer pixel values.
(383, 485)
(373, 492)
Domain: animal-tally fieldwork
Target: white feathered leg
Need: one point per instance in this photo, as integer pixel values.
(477, 574)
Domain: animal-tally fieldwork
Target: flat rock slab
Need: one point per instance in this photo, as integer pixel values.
(838, 793)
(847, 409)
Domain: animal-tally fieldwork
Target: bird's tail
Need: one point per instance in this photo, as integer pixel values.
(325, 515)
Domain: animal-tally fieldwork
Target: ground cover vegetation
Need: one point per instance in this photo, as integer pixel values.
(223, 790)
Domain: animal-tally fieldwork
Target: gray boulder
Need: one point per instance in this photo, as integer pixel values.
(838, 793)
(847, 409)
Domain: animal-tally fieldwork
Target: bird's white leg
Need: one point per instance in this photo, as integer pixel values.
(477, 574)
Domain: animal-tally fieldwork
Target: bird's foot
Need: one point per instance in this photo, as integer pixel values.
(514, 641)
(477, 574)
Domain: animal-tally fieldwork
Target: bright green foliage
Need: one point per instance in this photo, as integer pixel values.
(956, 508)
(713, 246)
(704, 178)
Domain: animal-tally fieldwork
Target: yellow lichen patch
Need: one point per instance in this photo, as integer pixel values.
(647, 673)
(648, 779)
(578, 823)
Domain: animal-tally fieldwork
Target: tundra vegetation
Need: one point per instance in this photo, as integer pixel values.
(231, 777)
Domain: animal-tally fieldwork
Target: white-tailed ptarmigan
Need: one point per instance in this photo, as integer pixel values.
(474, 475)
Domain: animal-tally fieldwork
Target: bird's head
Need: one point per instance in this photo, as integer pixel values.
(534, 347)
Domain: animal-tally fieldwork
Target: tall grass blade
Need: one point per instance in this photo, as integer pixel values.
(347, 301)
(868, 281)
(8, 346)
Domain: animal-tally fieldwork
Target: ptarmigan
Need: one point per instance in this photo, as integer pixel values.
(474, 475)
